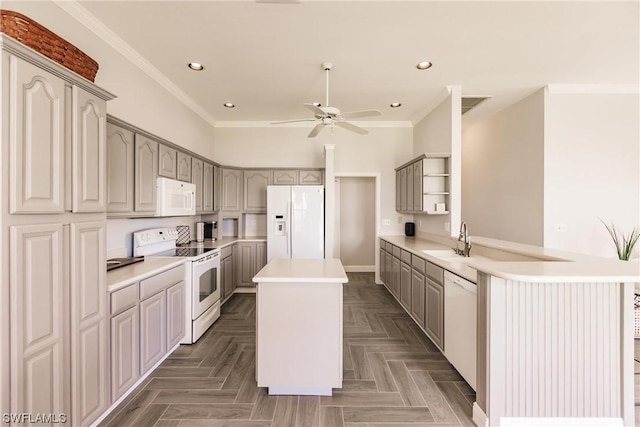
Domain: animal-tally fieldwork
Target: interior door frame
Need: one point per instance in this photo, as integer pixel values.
(376, 177)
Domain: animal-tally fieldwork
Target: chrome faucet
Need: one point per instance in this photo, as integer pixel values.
(464, 236)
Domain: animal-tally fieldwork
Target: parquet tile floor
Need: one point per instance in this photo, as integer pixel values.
(393, 375)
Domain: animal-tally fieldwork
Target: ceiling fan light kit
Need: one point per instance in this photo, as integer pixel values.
(331, 116)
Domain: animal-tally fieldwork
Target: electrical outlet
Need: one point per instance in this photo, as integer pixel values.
(386, 222)
(559, 228)
(399, 220)
(447, 226)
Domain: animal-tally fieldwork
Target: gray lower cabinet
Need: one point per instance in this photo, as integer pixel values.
(226, 274)
(197, 178)
(418, 297)
(120, 154)
(207, 187)
(153, 330)
(255, 190)
(175, 314)
(435, 311)
(184, 167)
(231, 190)
(405, 285)
(146, 172)
(395, 276)
(252, 256)
(167, 161)
(409, 187)
(124, 352)
(383, 266)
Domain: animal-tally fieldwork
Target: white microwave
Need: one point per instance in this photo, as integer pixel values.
(175, 198)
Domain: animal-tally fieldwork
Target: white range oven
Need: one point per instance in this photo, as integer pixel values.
(202, 276)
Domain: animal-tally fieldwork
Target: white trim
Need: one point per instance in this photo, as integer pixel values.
(630, 89)
(560, 422)
(244, 290)
(478, 416)
(267, 124)
(434, 103)
(86, 18)
(360, 268)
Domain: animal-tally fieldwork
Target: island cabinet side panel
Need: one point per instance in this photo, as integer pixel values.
(555, 350)
(299, 335)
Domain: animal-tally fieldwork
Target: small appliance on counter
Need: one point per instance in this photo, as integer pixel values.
(409, 229)
(199, 231)
(210, 230)
(184, 235)
(114, 263)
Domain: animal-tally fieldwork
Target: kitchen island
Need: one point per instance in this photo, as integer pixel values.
(299, 326)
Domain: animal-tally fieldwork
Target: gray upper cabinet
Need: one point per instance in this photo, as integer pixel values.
(231, 190)
(197, 178)
(217, 188)
(409, 189)
(255, 190)
(184, 167)
(417, 186)
(89, 150)
(403, 189)
(120, 153)
(207, 187)
(398, 191)
(146, 172)
(422, 186)
(310, 177)
(168, 162)
(285, 177)
(36, 138)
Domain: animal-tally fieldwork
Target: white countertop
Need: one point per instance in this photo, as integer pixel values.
(302, 271)
(124, 276)
(554, 265)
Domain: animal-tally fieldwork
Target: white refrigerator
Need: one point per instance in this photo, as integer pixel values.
(295, 221)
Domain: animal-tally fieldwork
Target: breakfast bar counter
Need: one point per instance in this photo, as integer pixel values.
(299, 326)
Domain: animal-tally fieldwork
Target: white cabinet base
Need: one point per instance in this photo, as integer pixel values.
(302, 391)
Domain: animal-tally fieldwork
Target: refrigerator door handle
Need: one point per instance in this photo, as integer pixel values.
(287, 225)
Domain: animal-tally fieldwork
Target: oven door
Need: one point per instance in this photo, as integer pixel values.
(205, 283)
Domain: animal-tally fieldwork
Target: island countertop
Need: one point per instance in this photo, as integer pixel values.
(302, 271)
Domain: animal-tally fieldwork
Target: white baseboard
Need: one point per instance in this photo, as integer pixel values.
(560, 422)
(244, 290)
(360, 268)
(479, 417)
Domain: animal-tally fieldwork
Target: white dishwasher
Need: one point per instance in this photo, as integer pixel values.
(460, 325)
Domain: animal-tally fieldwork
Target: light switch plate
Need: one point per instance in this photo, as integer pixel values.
(386, 222)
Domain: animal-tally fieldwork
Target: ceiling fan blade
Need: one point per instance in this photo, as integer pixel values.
(316, 110)
(293, 121)
(316, 130)
(352, 127)
(362, 113)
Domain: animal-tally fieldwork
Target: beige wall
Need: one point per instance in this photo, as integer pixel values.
(140, 100)
(591, 169)
(440, 132)
(357, 221)
(502, 173)
(383, 149)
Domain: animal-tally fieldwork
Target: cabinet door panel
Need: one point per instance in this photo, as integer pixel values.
(175, 314)
(418, 296)
(398, 192)
(184, 167)
(435, 312)
(247, 254)
(89, 322)
(383, 270)
(287, 177)
(310, 177)
(395, 276)
(417, 186)
(167, 161)
(255, 190)
(217, 188)
(409, 190)
(36, 139)
(89, 150)
(153, 336)
(120, 152)
(37, 319)
(405, 285)
(207, 188)
(261, 257)
(403, 189)
(124, 352)
(231, 190)
(146, 172)
(197, 178)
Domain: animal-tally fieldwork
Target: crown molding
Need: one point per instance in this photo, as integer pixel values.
(265, 124)
(93, 24)
(620, 89)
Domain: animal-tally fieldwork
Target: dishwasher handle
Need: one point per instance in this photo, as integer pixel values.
(464, 284)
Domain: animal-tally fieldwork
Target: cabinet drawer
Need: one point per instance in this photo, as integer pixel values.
(418, 264)
(161, 281)
(396, 251)
(406, 256)
(226, 251)
(383, 245)
(123, 299)
(435, 272)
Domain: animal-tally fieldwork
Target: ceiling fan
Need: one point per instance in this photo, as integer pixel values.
(331, 116)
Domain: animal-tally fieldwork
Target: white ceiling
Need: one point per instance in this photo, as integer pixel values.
(266, 58)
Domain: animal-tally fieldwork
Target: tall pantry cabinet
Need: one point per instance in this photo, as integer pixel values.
(53, 302)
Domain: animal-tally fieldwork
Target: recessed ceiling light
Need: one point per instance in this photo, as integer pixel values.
(317, 104)
(395, 105)
(229, 105)
(424, 65)
(195, 66)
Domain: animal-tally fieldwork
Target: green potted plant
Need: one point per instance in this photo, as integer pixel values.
(624, 242)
